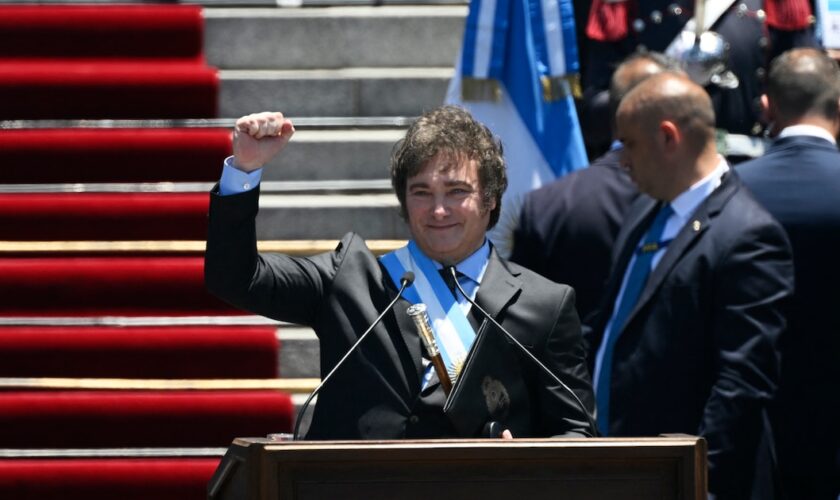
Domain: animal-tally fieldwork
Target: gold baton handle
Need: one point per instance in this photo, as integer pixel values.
(418, 313)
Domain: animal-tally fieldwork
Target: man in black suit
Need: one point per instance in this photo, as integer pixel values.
(798, 181)
(448, 174)
(567, 228)
(685, 342)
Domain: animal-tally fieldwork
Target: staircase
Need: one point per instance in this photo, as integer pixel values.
(122, 376)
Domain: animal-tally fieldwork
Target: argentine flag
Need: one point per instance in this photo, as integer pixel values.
(516, 74)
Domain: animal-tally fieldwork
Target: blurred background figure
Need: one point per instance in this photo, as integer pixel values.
(798, 181)
(739, 38)
(567, 228)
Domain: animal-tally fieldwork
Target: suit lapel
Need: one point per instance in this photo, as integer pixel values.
(498, 287)
(409, 367)
(635, 225)
(412, 342)
(697, 225)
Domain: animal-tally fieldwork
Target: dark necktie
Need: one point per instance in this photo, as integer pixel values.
(446, 274)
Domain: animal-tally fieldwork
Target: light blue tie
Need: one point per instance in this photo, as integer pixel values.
(635, 284)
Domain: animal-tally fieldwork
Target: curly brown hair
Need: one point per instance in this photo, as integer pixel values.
(450, 130)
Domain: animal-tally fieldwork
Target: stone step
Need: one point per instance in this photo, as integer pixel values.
(333, 37)
(315, 156)
(319, 155)
(286, 216)
(299, 352)
(334, 92)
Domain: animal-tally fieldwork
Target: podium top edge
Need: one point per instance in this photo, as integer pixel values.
(678, 440)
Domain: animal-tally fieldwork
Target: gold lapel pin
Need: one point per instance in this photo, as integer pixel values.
(695, 225)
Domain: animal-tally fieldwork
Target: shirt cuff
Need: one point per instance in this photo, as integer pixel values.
(235, 181)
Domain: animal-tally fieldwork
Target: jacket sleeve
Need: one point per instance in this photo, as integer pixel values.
(564, 354)
(754, 282)
(277, 286)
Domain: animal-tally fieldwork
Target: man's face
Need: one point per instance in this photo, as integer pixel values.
(641, 154)
(444, 205)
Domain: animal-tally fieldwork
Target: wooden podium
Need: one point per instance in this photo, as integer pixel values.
(669, 467)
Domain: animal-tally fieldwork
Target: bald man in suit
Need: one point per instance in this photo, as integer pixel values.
(686, 339)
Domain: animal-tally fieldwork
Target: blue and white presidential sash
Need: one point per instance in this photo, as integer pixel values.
(453, 332)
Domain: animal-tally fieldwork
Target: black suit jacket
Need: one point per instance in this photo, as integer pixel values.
(377, 394)
(798, 181)
(697, 353)
(567, 228)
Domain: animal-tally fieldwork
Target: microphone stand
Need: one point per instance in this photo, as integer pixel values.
(593, 428)
(406, 280)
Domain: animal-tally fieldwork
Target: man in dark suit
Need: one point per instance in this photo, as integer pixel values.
(685, 342)
(567, 228)
(448, 174)
(798, 181)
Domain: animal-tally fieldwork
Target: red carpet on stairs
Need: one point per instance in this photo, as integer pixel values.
(104, 62)
(113, 155)
(116, 62)
(70, 89)
(102, 31)
(106, 478)
(114, 419)
(107, 286)
(192, 352)
(103, 216)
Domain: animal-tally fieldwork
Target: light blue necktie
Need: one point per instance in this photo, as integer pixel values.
(635, 284)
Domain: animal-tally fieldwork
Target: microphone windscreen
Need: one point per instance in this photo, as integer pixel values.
(407, 278)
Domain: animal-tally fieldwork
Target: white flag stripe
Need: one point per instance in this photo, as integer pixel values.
(448, 337)
(484, 39)
(554, 37)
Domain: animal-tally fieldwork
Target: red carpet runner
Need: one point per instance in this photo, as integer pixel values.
(116, 62)
(130, 62)
(113, 155)
(188, 352)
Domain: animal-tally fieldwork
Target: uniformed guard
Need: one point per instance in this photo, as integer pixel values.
(737, 39)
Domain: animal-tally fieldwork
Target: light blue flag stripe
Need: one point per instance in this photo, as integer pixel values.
(484, 39)
(557, 20)
(500, 34)
(567, 19)
(554, 52)
(485, 36)
(471, 28)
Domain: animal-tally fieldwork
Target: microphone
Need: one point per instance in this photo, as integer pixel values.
(405, 281)
(592, 427)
